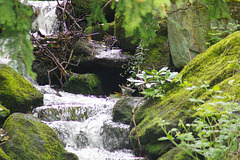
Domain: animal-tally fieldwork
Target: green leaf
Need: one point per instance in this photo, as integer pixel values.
(163, 139)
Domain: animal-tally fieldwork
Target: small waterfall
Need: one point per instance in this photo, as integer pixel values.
(84, 125)
(46, 20)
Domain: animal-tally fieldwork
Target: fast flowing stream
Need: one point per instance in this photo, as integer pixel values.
(84, 125)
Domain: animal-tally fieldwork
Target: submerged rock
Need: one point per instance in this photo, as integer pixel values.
(16, 93)
(215, 67)
(32, 139)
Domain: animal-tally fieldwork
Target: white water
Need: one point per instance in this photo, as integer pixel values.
(92, 136)
(46, 21)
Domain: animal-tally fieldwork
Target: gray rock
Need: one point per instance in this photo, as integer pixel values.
(187, 29)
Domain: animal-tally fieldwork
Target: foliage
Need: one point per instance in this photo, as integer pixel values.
(140, 21)
(134, 65)
(15, 23)
(214, 134)
(216, 34)
(153, 83)
(141, 16)
(3, 136)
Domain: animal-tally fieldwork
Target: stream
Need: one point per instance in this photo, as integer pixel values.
(84, 125)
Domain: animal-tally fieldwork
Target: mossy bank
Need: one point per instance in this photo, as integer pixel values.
(215, 67)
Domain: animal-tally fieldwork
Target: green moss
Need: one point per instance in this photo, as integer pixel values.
(100, 31)
(16, 93)
(83, 84)
(175, 154)
(156, 56)
(3, 155)
(83, 7)
(212, 66)
(31, 139)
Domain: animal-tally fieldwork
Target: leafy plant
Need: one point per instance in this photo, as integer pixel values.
(3, 136)
(216, 34)
(214, 134)
(152, 83)
(15, 23)
(140, 17)
(134, 65)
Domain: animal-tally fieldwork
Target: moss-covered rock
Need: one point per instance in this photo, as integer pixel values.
(32, 139)
(122, 110)
(213, 67)
(16, 93)
(175, 154)
(86, 84)
(157, 54)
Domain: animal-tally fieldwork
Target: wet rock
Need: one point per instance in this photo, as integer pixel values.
(16, 93)
(115, 136)
(32, 139)
(94, 54)
(122, 110)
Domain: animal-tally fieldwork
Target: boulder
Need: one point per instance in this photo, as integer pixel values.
(32, 139)
(187, 31)
(215, 67)
(16, 93)
(122, 110)
(94, 55)
(85, 84)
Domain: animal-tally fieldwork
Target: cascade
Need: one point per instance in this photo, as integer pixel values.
(46, 19)
(83, 123)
